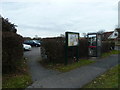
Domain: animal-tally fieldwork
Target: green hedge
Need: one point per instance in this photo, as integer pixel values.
(107, 46)
(12, 51)
(83, 48)
(53, 49)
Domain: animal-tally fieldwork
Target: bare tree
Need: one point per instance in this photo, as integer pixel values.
(101, 31)
(62, 35)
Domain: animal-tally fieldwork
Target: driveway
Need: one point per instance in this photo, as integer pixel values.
(76, 78)
(36, 70)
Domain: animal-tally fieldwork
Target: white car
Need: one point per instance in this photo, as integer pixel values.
(26, 47)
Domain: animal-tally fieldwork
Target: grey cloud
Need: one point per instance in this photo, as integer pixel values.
(54, 17)
(36, 27)
(46, 27)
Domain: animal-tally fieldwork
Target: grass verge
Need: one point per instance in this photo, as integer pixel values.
(110, 53)
(108, 80)
(66, 68)
(18, 79)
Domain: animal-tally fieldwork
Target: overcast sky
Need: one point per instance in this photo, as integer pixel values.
(47, 18)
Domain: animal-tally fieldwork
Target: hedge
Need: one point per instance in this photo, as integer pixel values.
(53, 49)
(107, 46)
(12, 51)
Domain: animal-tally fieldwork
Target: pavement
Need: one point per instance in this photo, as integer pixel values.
(77, 78)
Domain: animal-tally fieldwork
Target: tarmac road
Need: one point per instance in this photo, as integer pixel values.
(117, 47)
(36, 70)
(44, 78)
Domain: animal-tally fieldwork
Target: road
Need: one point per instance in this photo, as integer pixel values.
(36, 70)
(117, 47)
(76, 78)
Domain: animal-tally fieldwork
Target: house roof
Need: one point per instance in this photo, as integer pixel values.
(106, 35)
(118, 29)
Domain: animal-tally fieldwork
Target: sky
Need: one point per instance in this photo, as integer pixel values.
(50, 18)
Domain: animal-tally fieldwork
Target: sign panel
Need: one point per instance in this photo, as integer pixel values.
(73, 39)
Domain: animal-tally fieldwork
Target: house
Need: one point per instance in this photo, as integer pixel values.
(105, 35)
(115, 36)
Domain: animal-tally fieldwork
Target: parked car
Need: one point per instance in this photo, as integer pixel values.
(26, 47)
(32, 43)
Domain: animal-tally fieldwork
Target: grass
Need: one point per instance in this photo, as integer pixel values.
(66, 68)
(108, 80)
(110, 53)
(18, 79)
(82, 62)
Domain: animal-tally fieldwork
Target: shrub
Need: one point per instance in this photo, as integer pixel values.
(53, 50)
(83, 47)
(12, 51)
(7, 26)
(107, 46)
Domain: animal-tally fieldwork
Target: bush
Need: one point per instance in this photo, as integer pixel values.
(7, 26)
(107, 46)
(83, 47)
(12, 51)
(53, 50)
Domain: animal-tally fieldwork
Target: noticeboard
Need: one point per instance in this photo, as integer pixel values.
(72, 39)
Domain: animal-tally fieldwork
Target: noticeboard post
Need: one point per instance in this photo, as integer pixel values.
(72, 40)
